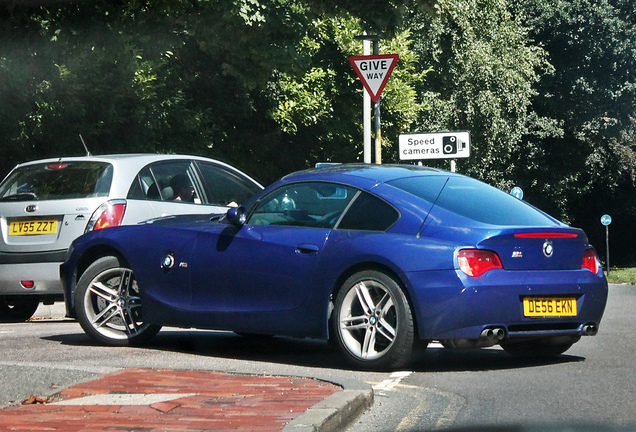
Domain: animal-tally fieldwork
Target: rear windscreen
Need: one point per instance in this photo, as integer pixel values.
(58, 180)
(475, 200)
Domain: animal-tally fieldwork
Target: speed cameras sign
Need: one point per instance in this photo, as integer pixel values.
(440, 145)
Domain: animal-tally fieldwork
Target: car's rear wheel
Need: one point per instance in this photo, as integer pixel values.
(17, 308)
(536, 348)
(108, 304)
(372, 322)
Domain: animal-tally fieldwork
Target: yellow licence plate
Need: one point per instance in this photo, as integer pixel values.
(549, 307)
(33, 227)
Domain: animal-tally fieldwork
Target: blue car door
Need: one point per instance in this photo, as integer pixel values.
(269, 263)
(256, 268)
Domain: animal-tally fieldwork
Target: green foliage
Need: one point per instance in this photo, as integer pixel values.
(246, 81)
(483, 70)
(622, 276)
(588, 168)
(546, 88)
(326, 101)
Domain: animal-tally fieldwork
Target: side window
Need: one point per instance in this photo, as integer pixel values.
(225, 186)
(318, 205)
(369, 213)
(166, 181)
(140, 189)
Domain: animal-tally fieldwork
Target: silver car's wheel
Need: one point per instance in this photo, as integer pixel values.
(372, 322)
(17, 308)
(108, 304)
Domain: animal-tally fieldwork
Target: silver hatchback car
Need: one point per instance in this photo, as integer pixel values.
(46, 204)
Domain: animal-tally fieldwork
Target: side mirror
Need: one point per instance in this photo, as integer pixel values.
(236, 216)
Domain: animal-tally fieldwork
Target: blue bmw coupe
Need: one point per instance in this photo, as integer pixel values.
(376, 258)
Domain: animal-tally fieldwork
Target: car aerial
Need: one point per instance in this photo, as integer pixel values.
(46, 204)
(376, 258)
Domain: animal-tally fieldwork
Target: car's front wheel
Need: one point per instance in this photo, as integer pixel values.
(17, 308)
(108, 304)
(547, 347)
(372, 323)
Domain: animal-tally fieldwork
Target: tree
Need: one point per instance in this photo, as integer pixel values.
(246, 81)
(483, 70)
(588, 167)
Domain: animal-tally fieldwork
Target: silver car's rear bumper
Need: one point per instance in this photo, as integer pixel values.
(46, 278)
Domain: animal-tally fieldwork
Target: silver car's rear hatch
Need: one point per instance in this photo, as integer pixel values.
(44, 226)
(44, 206)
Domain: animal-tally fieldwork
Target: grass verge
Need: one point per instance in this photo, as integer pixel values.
(622, 276)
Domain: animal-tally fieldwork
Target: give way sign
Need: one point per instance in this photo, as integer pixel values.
(374, 71)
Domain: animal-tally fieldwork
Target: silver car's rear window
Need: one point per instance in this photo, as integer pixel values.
(58, 180)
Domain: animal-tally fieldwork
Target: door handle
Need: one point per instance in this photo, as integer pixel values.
(306, 248)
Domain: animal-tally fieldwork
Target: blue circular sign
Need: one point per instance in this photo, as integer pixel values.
(606, 219)
(517, 192)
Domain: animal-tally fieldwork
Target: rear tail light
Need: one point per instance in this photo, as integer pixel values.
(109, 214)
(476, 262)
(590, 261)
(546, 235)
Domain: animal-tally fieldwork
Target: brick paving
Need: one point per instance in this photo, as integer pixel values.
(187, 401)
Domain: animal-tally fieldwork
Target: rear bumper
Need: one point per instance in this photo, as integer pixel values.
(46, 278)
(450, 305)
(56, 256)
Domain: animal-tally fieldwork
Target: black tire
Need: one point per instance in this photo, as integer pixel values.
(18, 308)
(540, 348)
(108, 304)
(372, 323)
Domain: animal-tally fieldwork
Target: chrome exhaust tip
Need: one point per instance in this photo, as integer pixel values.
(493, 334)
(590, 330)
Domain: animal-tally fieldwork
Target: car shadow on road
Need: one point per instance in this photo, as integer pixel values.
(438, 359)
(318, 353)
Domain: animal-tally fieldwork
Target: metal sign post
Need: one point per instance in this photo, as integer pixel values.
(366, 110)
(373, 71)
(607, 220)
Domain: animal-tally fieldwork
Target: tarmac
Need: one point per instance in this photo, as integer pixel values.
(173, 400)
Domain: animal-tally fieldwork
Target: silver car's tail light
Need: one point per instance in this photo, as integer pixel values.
(109, 214)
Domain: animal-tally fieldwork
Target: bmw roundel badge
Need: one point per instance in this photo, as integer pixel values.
(168, 262)
(548, 249)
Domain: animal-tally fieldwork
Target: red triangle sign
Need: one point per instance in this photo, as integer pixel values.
(374, 71)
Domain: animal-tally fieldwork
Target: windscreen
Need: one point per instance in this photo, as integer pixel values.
(58, 180)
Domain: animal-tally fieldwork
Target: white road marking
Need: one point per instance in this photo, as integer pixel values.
(394, 379)
(124, 399)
